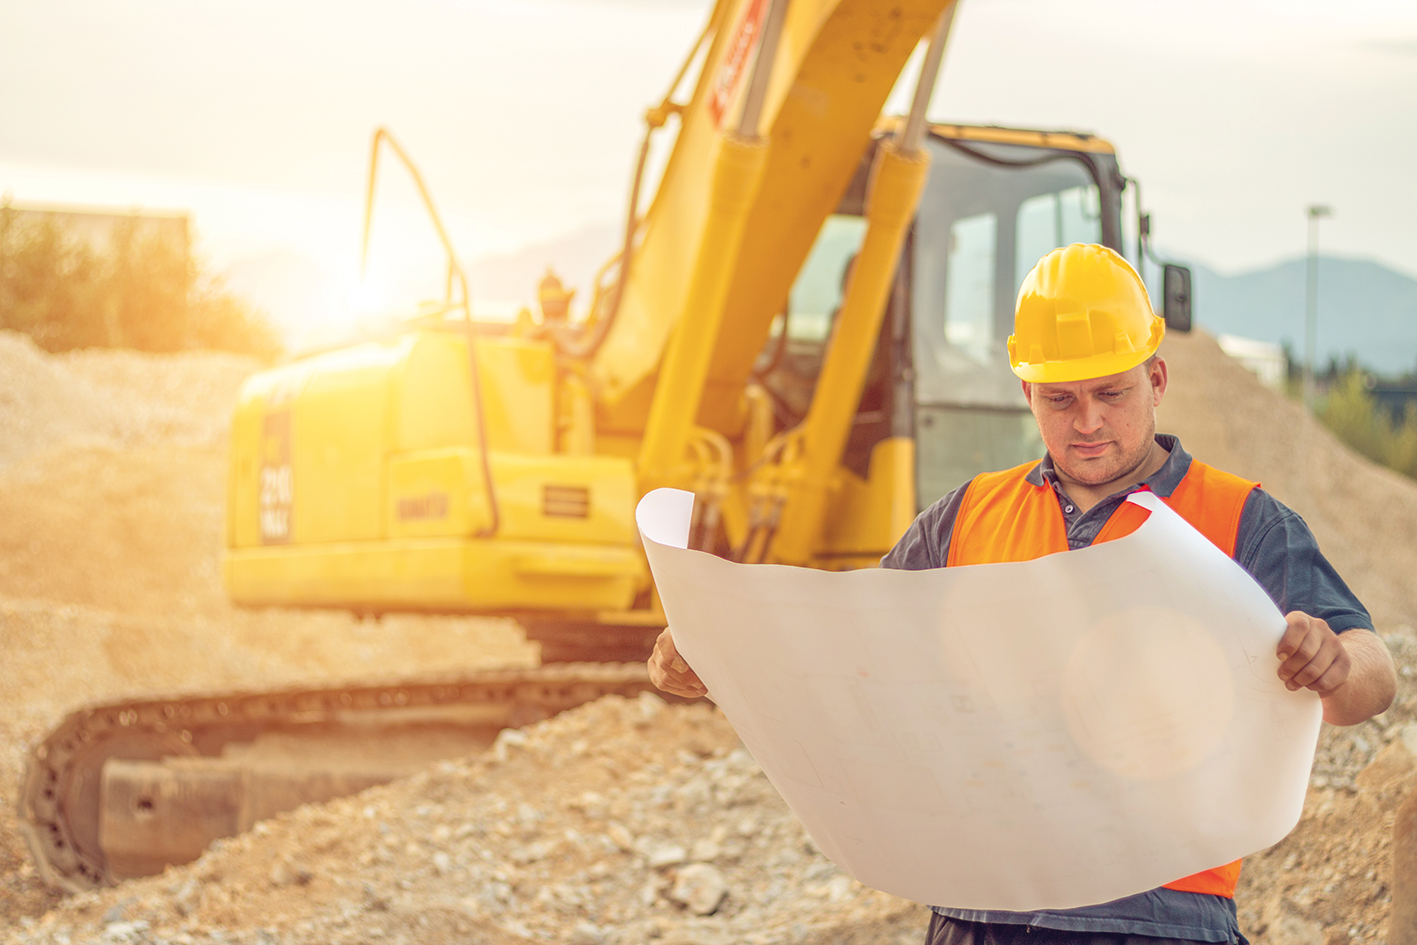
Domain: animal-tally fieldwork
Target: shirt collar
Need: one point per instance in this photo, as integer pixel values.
(1163, 482)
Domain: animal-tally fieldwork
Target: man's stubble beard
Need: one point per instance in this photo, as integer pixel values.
(1127, 467)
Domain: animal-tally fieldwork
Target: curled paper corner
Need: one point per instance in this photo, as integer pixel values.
(1147, 500)
(664, 517)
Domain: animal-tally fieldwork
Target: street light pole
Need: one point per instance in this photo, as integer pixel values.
(1311, 302)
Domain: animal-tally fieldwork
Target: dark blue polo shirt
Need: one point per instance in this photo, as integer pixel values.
(1276, 548)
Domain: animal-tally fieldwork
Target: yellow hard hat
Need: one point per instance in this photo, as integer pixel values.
(1083, 312)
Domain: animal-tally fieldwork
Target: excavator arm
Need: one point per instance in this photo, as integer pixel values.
(739, 206)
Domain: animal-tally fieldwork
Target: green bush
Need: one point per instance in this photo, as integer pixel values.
(1352, 414)
(142, 291)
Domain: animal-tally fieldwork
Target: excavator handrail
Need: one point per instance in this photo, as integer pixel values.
(383, 135)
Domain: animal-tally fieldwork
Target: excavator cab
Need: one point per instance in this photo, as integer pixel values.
(996, 201)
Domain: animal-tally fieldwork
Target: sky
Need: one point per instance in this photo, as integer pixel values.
(524, 115)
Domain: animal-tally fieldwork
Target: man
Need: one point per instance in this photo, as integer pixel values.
(1084, 344)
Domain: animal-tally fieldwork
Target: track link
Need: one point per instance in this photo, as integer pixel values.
(60, 796)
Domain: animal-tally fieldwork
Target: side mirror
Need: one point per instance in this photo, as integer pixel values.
(1176, 293)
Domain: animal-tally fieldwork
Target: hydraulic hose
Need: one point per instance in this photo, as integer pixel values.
(584, 343)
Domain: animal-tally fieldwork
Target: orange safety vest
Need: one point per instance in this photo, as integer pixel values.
(1003, 517)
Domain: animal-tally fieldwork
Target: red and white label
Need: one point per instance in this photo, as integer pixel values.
(725, 84)
(276, 499)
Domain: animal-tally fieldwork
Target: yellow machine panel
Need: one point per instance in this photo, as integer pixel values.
(436, 493)
(358, 480)
(339, 426)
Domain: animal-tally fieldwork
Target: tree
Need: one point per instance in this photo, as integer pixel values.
(1351, 413)
(143, 290)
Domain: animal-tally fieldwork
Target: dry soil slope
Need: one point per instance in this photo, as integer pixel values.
(112, 480)
(118, 398)
(1365, 516)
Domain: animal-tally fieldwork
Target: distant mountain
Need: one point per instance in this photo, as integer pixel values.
(1364, 309)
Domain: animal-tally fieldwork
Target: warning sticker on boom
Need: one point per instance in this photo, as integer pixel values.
(725, 84)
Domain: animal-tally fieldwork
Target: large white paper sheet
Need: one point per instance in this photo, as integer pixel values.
(1036, 735)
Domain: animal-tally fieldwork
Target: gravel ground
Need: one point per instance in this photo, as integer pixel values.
(624, 821)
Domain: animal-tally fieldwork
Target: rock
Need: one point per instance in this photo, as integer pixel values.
(697, 933)
(586, 933)
(507, 739)
(620, 835)
(284, 873)
(123, 933)
(649, 892)
(531, 853)
(662, 854)
(1289, 928)
(705, 851)
(1393, 767)
(115, 912)
(188, 897)
(700, 888)
(838, 888)
(649, 706)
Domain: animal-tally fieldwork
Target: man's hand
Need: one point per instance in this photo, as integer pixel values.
(669, 672)
(1311, 656)
(1352, 673)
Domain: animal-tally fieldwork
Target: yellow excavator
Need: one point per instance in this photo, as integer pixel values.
(805, 328)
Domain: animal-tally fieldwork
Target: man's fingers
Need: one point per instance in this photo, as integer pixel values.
(1300, 643)
(1300, 661)
(1311, 670)
(669, 671)
(1304, 651)
(1293, 635)
(672, 658)
(1311, 655)
(1333, 677)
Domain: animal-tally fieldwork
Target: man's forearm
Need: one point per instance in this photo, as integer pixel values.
(1371, 683)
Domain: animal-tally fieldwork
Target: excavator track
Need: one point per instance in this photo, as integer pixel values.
(160, 771)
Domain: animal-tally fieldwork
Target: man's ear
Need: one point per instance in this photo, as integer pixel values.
(1158, 376)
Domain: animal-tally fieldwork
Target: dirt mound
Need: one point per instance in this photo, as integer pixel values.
(118, 398)
(112, 481)
(134, 531)
(1330, 880)
(1364, 516)
(619, 822)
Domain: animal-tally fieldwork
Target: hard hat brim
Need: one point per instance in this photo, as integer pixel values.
(1082, 369)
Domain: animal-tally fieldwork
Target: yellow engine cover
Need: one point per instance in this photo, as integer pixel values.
(357, 480)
